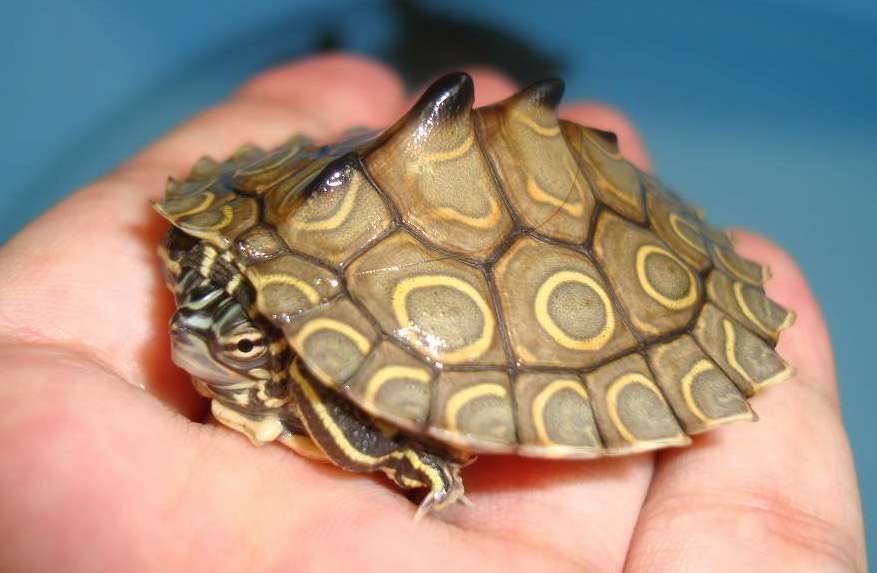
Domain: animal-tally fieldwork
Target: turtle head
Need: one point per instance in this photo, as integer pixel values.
(214, 340)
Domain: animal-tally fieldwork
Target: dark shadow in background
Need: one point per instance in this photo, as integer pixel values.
(422, 44)
(431, 42)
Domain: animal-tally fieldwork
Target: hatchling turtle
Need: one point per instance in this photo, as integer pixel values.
(491, 280)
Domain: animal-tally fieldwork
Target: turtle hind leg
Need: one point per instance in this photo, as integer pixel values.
(412, 469)
(441, 476)
(352, 441)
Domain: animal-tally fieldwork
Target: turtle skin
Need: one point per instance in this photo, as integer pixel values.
(492, 280)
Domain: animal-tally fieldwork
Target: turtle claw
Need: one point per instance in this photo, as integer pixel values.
(444, 493)
(433, 501)
(465, 501)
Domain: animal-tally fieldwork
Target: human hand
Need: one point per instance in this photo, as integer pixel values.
(104, 469)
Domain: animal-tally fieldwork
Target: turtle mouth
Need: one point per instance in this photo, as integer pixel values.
(191, 353)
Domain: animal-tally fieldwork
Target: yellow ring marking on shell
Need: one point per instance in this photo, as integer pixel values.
(731, 356)
(250, 171)
(451, 154)
(688, 379)
(344, 444)
(524, 119)
(675, 221)
(607, 185)
(227, 216)
(361, 342)
(294, 182)
(731, 351)
(466, 395)
(672, 303)
(537, 409)
(262, 280)
(478, 221)
(209, 197)
(525, 355)
(612, 401)
(738, 294)
(336, 219)
(543, 316)
(537, 194)
(700, 367)
(470, 351)
(764, 273)
(387, 373)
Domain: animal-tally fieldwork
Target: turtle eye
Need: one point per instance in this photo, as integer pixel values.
(247, 347)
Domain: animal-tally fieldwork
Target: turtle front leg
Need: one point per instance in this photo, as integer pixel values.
(352, 440)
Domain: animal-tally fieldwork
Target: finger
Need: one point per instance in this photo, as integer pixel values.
(584, 511)
(491, 86)
(85, 274)
(779, 495)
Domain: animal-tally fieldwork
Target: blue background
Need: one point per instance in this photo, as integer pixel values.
(762, 111)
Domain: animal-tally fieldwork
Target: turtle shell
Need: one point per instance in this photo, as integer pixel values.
(497, 279)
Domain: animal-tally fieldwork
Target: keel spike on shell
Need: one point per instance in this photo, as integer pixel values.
(544, 94)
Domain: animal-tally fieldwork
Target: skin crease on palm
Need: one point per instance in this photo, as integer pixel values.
(106, 467)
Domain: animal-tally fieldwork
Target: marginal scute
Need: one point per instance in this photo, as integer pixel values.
(654, 187)
(657, 289)
(559, 311)
(431, 165)
(747, 359)
(474, 409)
(393, 385)
(632, 413)
(716, 235)
(175, 188)
(554, 416)
(748, 305)
(440, 306)
(269, 170)
(543, 182)
(247, 152)
(615, 182)
(204, 168)
(738, 267)
(212, 214)
(332, 340)
(289, 287)
(678, 228)
(196, 199)
(699, 392)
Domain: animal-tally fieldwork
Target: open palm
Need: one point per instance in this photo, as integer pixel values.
(105, 469)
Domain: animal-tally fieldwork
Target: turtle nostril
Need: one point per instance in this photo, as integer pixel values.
(179, 331)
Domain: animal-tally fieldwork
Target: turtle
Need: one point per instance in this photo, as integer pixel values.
(467, 281)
